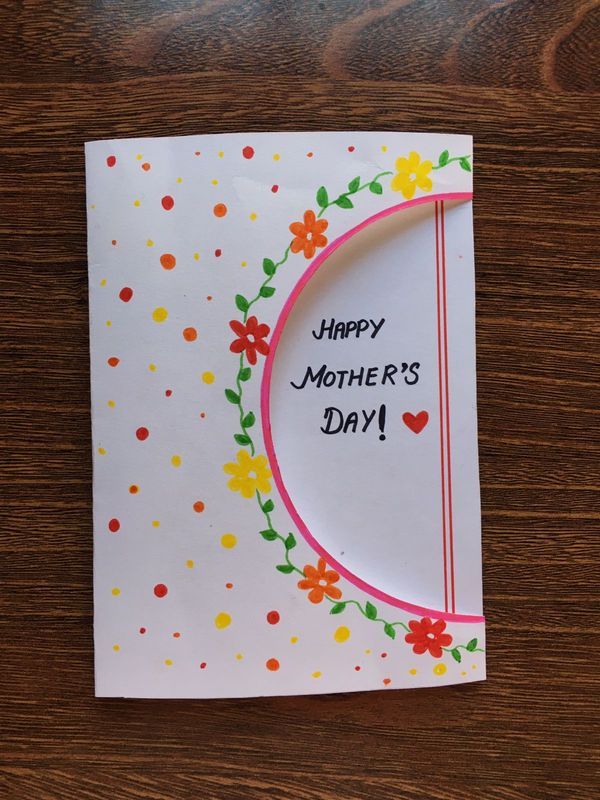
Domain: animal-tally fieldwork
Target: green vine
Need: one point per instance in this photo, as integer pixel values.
(247, 419)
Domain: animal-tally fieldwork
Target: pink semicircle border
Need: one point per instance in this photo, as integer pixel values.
(265, 401)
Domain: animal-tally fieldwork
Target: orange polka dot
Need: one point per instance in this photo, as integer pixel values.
(190, 334)
(176, 635)
(114, 242)
(220, 210)
(272, 665)
(167, 261)
(133, 489)
(309, 155)
(199, 506)
(112, 361)
(146, 166)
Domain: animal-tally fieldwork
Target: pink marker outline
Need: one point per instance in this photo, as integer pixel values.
(265, 402)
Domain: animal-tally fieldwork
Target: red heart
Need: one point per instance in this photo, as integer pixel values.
(416, 422)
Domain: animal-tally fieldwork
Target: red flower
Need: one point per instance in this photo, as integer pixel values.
(427, 635)
(251, 338)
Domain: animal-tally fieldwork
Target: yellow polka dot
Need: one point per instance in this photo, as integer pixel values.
(93, 205)
(101, 451)
(244, 263)
(103, 282)
(293, 639)
(276, 156)
(473, 666)
(111, 404)
(176, 460)
(160, 314)
(463, 673)
(342, 634)
(221, 154)
(156, 523)
(108, 323)
(412, 671)
(137, 203)
(179, 180)
(196, 256)
(208, 377)
(116, 648)
(317, 674)
(440, 669)
(384, 148)
(149, 243)
(189, 564)
(139, 156)
(222, 620)
(168, 662)
(228, 540)
(115, 591)
(215, 182)
(152, 367)
(239, 656)
(253, 216)
(367, 652)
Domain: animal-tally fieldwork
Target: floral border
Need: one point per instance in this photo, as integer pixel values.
(250, 474)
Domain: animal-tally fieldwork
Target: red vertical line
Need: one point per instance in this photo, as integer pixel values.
(439, 340)
(448, 455)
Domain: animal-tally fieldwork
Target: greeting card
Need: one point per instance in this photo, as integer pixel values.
(286, 494)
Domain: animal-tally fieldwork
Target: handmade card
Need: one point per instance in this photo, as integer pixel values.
(286, 494)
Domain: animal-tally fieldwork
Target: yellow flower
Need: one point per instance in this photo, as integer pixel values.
(410, 173)
(250, 474)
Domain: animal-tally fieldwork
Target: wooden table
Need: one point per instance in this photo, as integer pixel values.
(517, 74)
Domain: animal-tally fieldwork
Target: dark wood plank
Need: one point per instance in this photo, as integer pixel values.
(522, 77)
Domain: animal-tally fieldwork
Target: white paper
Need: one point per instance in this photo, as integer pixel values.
(380, 526)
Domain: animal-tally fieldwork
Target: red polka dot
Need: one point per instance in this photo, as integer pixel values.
(248, 152)
(112, 361)
(229, 585)
(126, 294)
(114, 525)
(176, 635)
(142, 630)
(160, 590)
(142, 434)
(203, 665)
(387, 681)
(111, 161)
(209, 297)
(167, 202)
(199, 506)
(197, 153)
(273, 617)
(113, 242)
(218, 252)
(146, 166)
(384, 655)
(309, 155)
(357, 669)
(351, 148)
(168, 392)
(202, 415)
(272, 665)
(275, 188)
(133, 489)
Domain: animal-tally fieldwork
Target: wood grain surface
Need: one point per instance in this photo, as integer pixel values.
(522, 77)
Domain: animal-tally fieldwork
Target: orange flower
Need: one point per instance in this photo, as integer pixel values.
(319, 580)
(308, 235)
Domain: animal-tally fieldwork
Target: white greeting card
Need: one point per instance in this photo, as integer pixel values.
(286, 494)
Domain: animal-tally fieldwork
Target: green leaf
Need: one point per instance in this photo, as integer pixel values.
(370, 611)
(267, 506)
(269, 266)
(241, 438)
(270, 535)
(344, 202)
(337, 608)
(443, 159)
(375, 187)
(285, 568)
(266, 291)
(456, 655)
(290, 541)
(472, 645)
(322, 197)
(244, 374)
(232, 396)
(464, 162)
(241, 302)
(389, 630)
(353, 185)
(249, 420)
